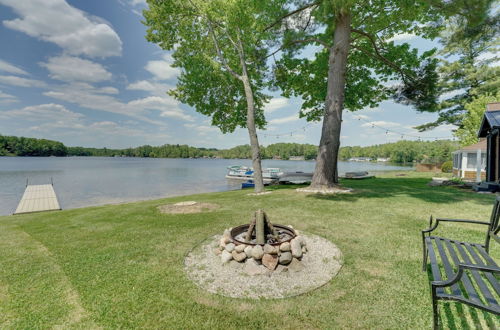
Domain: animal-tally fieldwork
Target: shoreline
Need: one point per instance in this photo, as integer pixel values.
(381, 174)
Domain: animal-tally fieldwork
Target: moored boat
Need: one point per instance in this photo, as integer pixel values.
(245, 173)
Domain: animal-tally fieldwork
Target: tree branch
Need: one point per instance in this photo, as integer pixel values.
(378, 55)
(316, 3)
(219, 52)
(321, 42)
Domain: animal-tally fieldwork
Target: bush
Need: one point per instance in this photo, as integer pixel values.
(447, 167)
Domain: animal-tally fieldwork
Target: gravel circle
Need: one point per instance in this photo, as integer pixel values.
(322, 262)
(187, 207)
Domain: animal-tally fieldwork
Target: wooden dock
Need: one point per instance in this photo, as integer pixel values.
(38, 198)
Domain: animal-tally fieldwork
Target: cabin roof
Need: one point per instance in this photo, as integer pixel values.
(491, 119)
(473, 147)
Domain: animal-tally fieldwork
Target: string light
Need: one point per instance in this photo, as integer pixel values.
(373, 125)
(403, 135)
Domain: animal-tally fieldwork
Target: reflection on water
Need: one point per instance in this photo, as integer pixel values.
(84, 181)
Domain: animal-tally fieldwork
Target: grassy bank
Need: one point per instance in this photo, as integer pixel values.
(121, 266)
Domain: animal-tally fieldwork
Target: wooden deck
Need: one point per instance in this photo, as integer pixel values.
(38, 198)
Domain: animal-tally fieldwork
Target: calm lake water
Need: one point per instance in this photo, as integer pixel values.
(85, 181)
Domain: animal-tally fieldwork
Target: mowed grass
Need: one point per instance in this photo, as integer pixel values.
(121, 266)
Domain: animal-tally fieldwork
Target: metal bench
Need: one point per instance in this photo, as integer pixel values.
(470, 274)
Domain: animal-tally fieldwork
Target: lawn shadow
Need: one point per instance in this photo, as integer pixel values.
(397, 187)
(455, 315)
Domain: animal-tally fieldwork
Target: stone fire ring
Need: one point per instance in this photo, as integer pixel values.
(321, 263)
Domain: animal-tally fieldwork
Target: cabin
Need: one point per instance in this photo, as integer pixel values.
(490, 130)
(469, 163)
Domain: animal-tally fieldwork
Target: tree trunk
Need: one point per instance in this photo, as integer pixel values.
(326, 173)
(252, 132)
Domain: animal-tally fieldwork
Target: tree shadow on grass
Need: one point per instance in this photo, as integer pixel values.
(398, 187)
(456, 315)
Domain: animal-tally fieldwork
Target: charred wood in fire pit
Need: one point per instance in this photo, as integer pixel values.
(248, 237)
(273, 232)
(259, 228)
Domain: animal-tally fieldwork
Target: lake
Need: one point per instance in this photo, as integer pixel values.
(86, 181)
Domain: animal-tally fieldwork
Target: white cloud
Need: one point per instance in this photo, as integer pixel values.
(284, 119)
(203, 129)
(402, 37)
(21, 82)
(275, 104)
(381, 123)
(68, 27)
(70, 68)
(138, 2)
(177, 113)
(42, 112)
(153, 88)
(162, 69)
(7, 67)
(7, 98)
(87, 96)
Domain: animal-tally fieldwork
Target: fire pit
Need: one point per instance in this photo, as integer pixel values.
(262, 246)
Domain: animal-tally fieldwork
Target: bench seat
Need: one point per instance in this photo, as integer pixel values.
(476, 288)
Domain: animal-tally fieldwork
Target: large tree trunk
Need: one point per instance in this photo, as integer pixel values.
(326, 173)
(252, 132)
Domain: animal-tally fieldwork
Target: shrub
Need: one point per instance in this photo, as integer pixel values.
(447, 167)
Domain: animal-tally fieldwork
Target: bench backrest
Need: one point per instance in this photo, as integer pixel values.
(494, 226)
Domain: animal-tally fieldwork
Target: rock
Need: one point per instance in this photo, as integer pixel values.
(296, 232)
(285, 247)
(252, 268)
(217, 251)
(304, 249)
(301, 240)
(230, 247)
(225, 257)
(236, 265)
(257, 252)
(240, 248)
(269, 249)
(280, 269)
(222, 243)
(187, 203)
(296, 248)
(227, 233)
(248, 251)
(226, 239)
(295, 265)
(285, 258)
(270, 261)
(238, 256)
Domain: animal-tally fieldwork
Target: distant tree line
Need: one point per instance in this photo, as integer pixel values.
(405, 151)
(22, 146)
(398, 152)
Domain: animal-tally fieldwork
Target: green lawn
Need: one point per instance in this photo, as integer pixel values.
(121, 266)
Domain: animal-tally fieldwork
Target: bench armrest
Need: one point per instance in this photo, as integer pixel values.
(459, 274)
(438, 220)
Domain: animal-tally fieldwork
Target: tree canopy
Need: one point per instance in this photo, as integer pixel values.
(468, 65)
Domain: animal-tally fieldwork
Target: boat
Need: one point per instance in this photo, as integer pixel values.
(357, 175)
(237, 172)
(297, 177)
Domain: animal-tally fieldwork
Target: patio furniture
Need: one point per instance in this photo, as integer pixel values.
(470, 274)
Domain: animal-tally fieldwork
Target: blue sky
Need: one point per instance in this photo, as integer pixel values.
(81, 72)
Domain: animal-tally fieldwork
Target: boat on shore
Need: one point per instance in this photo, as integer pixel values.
(245, 173)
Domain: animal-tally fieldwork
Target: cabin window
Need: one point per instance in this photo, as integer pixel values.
(471, 161)
(483, 161)
(457, 160)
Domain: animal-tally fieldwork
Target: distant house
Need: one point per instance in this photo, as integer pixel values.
(467, 159)
(360, 159)
(296, 158)
(381, 159)
(490, 129)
